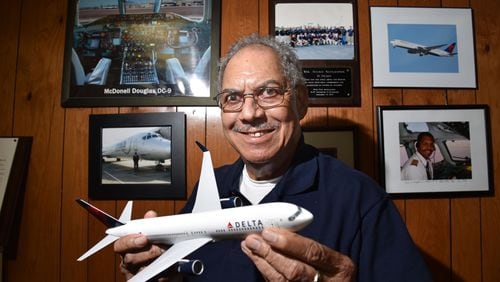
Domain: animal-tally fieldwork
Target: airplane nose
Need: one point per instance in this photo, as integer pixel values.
(307, 216)
(304, 218)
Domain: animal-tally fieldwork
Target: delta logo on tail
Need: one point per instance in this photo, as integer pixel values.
(421, 50)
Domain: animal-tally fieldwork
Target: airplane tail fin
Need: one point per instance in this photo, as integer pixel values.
(450, 48)
(105, 218)
(109, 221)
(207, 195)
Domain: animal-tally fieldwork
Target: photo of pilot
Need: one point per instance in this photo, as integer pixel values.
(419, 165)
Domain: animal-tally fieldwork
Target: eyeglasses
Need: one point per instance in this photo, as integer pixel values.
(266, 97)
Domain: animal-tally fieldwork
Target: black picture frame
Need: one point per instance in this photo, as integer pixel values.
(339, 142)
(132, 54)
(14, 166)
(460, 162)
(330, 61)
(114, 175)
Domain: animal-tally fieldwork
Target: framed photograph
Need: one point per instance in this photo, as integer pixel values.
(324, 34)
(137, 156)
(435, 149)
(340, 143)
(422, 47)
(140, 53)
(14, 165)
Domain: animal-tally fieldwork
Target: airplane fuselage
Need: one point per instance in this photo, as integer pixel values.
(218, 225)
(421, 50)
(149, 146)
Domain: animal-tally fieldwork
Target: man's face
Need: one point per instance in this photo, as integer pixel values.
(426, 146)
(260, 136)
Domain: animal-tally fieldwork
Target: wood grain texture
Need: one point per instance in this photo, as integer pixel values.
(10, 14)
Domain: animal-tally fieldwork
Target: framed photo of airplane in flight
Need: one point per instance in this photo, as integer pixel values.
(422, 47)
(324, 35)
(140, 53)
(435, 149)
(137, 156)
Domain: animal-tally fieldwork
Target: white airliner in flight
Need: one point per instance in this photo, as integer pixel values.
(208, 222)
(414, 48)
(148, 145)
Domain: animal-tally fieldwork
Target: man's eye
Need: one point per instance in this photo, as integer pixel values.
(269, 91)
(232, 97)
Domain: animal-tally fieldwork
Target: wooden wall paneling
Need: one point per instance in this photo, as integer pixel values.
(487, 30)
(316, 118)
(101, 266)
(466, 239)
(383, 2)
(239, 18)
(74, 223)
(264, 17)
(195, 131)
(419, 3)
(455, 3)
(428, 221)
(10, 15)
(37, 114)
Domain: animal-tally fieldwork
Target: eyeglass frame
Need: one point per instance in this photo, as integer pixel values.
(283, 91)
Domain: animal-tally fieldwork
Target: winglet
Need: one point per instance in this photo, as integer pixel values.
(207, 195)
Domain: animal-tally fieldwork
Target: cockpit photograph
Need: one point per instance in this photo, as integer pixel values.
(434, 149)
(138, 49)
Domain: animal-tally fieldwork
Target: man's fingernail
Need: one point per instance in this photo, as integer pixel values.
(252, 243)
(269, 236)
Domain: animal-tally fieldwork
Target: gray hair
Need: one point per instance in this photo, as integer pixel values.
(290, 64)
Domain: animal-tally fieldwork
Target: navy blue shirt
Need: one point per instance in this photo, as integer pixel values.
(352, 215)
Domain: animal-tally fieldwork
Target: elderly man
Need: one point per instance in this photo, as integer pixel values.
(419, 165)
(357, 233)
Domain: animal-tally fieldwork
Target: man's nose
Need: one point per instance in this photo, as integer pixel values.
(250, 108)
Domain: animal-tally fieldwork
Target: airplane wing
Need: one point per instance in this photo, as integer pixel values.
(173, 255)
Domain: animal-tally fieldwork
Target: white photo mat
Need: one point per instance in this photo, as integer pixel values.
(389, 129)
(464, 76)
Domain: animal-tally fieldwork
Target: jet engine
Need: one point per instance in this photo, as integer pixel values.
(194, 267)
(231, 202)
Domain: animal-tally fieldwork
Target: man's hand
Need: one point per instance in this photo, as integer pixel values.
(137, 252)
(281, 255)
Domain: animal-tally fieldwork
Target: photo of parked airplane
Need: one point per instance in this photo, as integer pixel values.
(136, 155)
(208, 222)
(421, 50)
(148, 145)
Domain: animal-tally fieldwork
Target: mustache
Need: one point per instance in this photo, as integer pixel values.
(256, 126)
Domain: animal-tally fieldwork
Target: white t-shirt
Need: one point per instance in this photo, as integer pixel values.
(255, 190)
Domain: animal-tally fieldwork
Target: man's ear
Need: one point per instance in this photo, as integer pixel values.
(302, 100)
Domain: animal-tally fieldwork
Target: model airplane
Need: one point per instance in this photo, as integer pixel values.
(414, 48)
(151, 145)
(208, 222)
